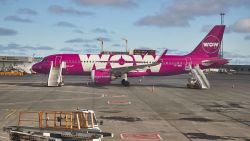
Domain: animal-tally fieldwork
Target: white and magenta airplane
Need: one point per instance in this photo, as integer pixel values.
(103, 68)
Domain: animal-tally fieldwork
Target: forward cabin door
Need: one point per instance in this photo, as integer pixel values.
(188, 63)
(58, 61)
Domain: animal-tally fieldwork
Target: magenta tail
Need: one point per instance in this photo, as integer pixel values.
(210, 45)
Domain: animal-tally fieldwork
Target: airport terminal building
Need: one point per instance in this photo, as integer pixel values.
(7, 62)
(238, 68)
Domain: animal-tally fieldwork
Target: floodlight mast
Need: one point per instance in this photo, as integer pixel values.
(222, 17)
(126, 43)
(101, 40)
(222, 22)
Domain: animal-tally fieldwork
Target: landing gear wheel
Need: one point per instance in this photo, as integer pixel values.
(60, 84)
(197, 86)
(14, 137)
(123, 81)
(126, 83)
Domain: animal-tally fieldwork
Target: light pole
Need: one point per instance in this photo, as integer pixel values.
(101, 40)
(222, 17)
(222, 22)
(126, 43)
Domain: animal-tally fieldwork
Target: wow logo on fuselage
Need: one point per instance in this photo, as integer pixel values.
(211, 44)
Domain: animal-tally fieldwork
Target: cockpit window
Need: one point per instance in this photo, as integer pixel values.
(43, 60)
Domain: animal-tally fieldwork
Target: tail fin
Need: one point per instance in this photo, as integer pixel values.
(210, 45)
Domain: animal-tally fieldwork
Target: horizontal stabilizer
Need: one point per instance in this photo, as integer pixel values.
(214, 61)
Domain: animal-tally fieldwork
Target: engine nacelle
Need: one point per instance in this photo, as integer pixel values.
(101, 76)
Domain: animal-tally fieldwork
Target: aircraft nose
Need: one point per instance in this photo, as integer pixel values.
(36, 68)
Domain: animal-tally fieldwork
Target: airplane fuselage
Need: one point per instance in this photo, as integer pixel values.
(77, 64)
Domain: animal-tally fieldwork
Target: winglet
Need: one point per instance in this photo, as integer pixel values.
(162, 55)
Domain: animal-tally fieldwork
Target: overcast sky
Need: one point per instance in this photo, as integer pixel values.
(44, 27)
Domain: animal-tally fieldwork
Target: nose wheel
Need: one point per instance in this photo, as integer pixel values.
(125, 83)
(125, 80)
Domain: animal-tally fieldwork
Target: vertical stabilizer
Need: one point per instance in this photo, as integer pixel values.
(210, 45)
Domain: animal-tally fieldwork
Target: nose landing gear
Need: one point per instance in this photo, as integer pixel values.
(125, 81)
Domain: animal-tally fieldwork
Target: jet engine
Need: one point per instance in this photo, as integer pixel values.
(101, 76)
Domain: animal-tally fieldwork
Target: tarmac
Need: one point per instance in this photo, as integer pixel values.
(151, 109)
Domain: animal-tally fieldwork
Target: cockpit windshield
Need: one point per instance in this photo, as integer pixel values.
(45, 60)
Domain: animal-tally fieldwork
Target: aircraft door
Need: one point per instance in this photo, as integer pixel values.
(188, 63)
(58, 61)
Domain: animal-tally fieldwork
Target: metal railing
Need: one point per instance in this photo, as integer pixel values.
(57, 119)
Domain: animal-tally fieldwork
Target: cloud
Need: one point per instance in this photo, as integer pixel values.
(112, 32)
(144, 48)
(177, 52)
(91, 50)
(207, 28)
(242, 26)
(90, 46)
(76, 40)
(56, 9)
(13, 49)
(11, 46)
(179, 13)
(109, 3)
(236, 58)
(116, 45)
(231, 55)
(78, 31)
(17, 19)
(171, 51)
(247, 37)
(7, 32)
(105, 39)
(79, 40)
(65, 24)
(44, 48)
(17, 47)
(27, 11)
(68, 49)
(7, 53)
(99, 30)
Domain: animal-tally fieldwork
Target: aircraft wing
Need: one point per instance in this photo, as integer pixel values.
(122, 70)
